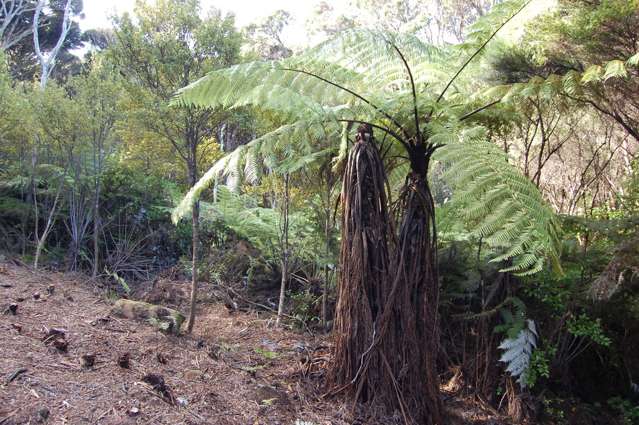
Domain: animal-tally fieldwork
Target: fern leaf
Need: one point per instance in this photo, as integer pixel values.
(518, 352)
(506, 208)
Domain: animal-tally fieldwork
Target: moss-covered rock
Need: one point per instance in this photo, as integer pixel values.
(163, 318)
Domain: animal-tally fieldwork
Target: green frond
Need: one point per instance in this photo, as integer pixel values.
(259, 225)
(500, 205)
(481, 29)
(615, 68)
(593, 73)
(245, 162)
(572, 83)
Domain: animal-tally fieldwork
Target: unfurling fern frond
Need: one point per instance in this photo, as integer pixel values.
(518, 352)
(500, 205)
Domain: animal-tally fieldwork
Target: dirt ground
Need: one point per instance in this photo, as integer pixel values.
(236, 367)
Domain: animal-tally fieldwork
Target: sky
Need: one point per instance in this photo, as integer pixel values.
(97, 12)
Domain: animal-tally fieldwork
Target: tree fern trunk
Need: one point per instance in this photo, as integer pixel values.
(415, 322)
(386, 327)
(362, 286)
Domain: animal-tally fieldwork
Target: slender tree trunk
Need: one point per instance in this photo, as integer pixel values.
(285, 250)
(96, 229)
(42, 239)
(195, 243)
(47, 62)
(327, 251)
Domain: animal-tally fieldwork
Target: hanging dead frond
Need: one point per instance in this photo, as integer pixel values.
(363, 282)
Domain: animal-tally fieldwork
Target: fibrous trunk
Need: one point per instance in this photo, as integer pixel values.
(363, 281)
(415, 304)
(386, 339)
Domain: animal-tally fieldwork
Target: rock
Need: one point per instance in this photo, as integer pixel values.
(36, 295)
(134, 411)
(163, 318)
(50, 289)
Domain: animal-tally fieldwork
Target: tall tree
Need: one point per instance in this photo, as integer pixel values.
(47, 60)
(99, 92)
(19, 19)
(165, 47)
(265, 37)
(14, 21)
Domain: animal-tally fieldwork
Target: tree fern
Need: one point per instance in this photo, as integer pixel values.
(259, 225)
(382, 86)
(390, 81)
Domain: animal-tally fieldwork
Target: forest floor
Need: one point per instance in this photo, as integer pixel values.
(235, 368)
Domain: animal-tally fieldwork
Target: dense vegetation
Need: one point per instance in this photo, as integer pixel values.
(450, 188)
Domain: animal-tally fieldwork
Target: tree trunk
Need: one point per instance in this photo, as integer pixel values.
(195, 242)
(386, 327)
(195, 225)
(285, 250)
(96, 231)
(358, 357)
(415, 326)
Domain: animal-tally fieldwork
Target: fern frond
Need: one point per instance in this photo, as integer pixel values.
(249, 157)
(572, 83)
(518, 352)
(259, 225)
(501, 206)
